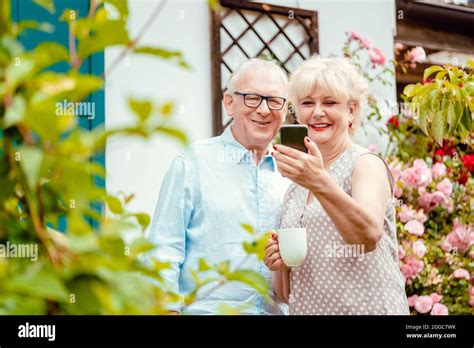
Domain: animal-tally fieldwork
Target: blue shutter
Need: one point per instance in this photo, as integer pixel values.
(28, 10)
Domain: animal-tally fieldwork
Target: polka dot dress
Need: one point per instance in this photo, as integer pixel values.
(337, 278)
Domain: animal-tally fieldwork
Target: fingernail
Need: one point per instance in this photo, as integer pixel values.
(274, 235)
(274, 147)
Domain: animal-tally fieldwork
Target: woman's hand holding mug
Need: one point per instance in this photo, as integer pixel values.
(272, 254)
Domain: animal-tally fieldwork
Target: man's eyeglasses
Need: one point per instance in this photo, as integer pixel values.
(254, 101)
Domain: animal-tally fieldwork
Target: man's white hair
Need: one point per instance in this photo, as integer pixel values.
(267, 66)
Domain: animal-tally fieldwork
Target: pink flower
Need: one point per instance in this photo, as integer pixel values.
(428, 201)
(406, 214)
(409, 178)
(446, 246)
(412, 267)
(438, 170)
(416, 55)
(415, 227)
(396, 171)
(445, 186)
(423, 304)
(397, 191)
(372, 148)
(418, 175)
(439, 309)
(376, 56)
(460, 239)
(365, 42)
(354, 36)
(412, 300)
(461, 273)
(423, 172)
(419, 248)
(399, 46)
(401, 252)
(436, 297)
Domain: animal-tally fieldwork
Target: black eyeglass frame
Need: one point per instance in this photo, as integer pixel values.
(262, 98)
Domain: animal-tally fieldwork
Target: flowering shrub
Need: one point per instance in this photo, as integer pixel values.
(434, 189)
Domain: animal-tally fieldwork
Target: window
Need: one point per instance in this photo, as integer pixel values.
(244, 30)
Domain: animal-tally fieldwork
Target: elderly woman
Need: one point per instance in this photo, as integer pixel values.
(342, 195)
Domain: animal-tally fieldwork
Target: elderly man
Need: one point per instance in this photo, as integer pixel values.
(217, 184)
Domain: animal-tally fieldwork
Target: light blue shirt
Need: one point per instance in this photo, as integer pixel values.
(209, 190)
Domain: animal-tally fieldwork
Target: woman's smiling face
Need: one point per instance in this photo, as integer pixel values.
(328, 117)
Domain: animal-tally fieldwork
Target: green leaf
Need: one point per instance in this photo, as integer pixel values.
(30, 24)
(73, 87)
(83, 243)
(30, 163)
(466, 119)
(39, 283)
(203, 266)
(49, 53)
(452, 118)
(438, 124)
(252, 278)
(408, 90)
(143, 219)
(174, 56)
(141, 108)
(48, 5)
(98, 34)
(223, 267)
(453, 75)
(114, 204)
(258, 246)
(16, 304)
(15, 112)
(166, 109)
(173, 132)
(431, 70)
(18, 71)
(422, 119)
(248, 228)
(141, 245)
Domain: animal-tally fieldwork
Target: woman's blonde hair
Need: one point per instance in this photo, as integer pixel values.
(334, 75)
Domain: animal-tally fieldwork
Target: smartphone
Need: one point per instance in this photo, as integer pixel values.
(293, 135)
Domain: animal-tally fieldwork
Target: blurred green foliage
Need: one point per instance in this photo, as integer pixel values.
(46, 171)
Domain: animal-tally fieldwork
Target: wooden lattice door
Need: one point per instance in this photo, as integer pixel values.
(243, 30)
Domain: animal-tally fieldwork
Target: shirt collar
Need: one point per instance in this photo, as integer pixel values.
(241, 153)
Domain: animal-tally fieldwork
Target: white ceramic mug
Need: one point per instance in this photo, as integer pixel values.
(293, 245)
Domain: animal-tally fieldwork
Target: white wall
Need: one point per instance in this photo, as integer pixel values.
(137, 166)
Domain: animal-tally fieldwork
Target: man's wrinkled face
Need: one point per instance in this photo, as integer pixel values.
(255, 127)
